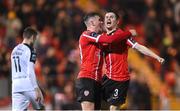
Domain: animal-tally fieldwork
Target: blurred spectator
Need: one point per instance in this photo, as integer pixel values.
(40, 14)
(139, 93)
(77, 26)
(13, 27)
(49, 67)
(65, 100)
(2, 29)
(69, 103)
(72, 64)
(4, 61)
(177, 79)
(26, 14)
(177, 13)
(164, 97)
(62, 26)
(152, 28)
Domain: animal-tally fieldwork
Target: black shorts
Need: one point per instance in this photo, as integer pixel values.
(89, 90)
(114, 92)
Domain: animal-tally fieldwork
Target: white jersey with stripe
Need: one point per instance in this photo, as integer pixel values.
(22, 66)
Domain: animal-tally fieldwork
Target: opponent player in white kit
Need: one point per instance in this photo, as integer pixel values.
(24, 84)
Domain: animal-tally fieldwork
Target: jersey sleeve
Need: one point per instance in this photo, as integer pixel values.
(94, 37)
(31, 69)
(131, 42)
(114, 38)
(33, 75)
(33, 56)
(91, 37)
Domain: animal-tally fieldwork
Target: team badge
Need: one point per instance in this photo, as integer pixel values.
(86, 92)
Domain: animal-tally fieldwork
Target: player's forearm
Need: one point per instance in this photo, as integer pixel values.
(144, 50)
(114, 38)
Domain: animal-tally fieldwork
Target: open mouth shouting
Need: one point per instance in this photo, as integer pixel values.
(108, 23)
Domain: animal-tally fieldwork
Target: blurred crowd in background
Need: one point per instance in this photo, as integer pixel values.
(60, 23)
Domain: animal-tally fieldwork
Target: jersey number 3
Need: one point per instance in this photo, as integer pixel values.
(17, 63)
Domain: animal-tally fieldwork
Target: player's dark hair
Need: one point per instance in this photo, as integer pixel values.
(89, 15)
(29, 32)
(116, 14)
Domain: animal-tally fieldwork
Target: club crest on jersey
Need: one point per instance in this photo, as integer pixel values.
(93, 34)
(86, 92)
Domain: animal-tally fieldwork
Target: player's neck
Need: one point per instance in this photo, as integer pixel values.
(108, 31)
(92, 29)
(26, 42)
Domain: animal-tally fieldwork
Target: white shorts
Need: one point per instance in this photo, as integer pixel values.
(21, 100)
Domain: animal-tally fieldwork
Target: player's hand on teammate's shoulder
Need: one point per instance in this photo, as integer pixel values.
(133, 32)
(161, 60)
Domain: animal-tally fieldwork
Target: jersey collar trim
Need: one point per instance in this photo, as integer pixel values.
(112, 32)
(28, 46)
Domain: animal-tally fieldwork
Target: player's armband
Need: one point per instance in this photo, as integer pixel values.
(131, 42)
(33, 57)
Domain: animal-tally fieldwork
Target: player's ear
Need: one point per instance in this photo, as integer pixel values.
(92, 23)
(118, 21)
(33, 38)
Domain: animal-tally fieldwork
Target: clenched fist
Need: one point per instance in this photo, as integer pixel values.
(133, 32)
(161, 60)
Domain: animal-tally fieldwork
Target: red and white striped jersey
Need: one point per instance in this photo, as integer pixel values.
(116, 58)
(91, 54)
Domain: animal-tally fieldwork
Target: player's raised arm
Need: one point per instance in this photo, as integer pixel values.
(118, 36)
(144, 50)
